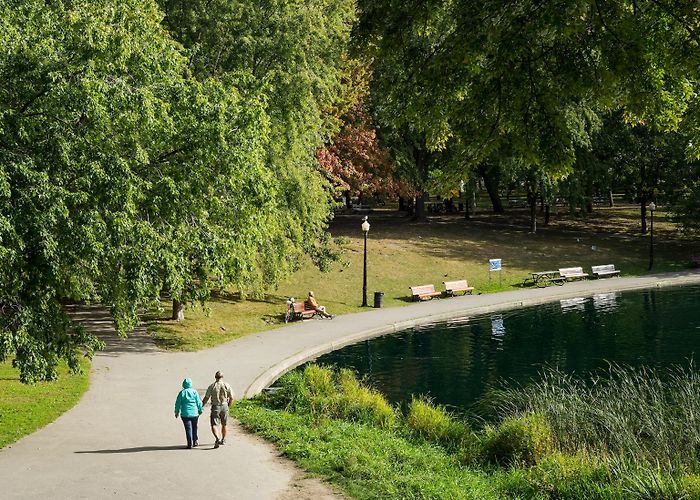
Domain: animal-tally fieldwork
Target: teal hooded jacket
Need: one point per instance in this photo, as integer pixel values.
(188, 402)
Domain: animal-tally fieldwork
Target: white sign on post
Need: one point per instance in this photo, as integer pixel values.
(495, 265)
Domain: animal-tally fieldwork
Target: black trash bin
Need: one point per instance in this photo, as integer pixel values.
(378, 299)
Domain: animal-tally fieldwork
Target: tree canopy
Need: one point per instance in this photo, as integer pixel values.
(173, 146)
(529, 77)
(125, 172)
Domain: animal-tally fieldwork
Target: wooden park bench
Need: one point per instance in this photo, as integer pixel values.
(603, 271)
(423, 292)
(298, 310)
(572, 273)
(302, 311)
(452, 287)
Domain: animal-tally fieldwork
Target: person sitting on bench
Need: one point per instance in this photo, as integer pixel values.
(312, 304)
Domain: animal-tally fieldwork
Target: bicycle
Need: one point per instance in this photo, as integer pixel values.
(289, 314)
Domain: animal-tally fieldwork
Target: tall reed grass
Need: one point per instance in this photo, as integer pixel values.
(324, 393)
(642, 416)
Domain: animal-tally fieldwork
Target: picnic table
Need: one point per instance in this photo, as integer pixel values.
(544, 278)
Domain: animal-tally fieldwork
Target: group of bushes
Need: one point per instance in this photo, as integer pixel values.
(321, 393)
(530, 452)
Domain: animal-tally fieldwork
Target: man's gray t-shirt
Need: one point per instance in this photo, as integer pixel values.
(219, 393)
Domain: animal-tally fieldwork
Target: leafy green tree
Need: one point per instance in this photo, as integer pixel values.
(529, 76)
(289, 55)
(646, 163)
(122, 176)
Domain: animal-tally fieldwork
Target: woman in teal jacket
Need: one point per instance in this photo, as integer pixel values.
(189, 405)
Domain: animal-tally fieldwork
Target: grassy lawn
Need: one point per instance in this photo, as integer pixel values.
(26, 408)
(402, 253)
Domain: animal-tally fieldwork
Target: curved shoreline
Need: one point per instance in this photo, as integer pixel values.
(492, 303)
(108, 445)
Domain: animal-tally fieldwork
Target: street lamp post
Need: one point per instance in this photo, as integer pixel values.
(365, 230)
(652, 209)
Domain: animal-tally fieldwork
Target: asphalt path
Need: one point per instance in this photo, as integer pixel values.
(122, 440)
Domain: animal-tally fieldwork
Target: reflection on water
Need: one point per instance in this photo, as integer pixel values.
(606, 302)
(572, 305)
(457, 362)
(498, 329)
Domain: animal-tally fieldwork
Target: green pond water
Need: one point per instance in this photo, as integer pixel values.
(456, 363)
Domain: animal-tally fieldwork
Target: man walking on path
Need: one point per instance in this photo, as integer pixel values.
(221, 396)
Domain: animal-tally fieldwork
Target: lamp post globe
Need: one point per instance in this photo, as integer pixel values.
(652, 209)
(365, 230)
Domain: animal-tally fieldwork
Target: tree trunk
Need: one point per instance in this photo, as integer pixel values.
(542, 204)
(491, 182)
(449, 206)
(467, 206)
(532, 201)
(546, 214)
(178, 310)
(420, 207)
(402, 204)
(643, 212)
(611, 201)
(420, 156)
(348, 201)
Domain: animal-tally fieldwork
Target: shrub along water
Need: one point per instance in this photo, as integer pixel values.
(434, 423)
(322, 393)
(340, 429)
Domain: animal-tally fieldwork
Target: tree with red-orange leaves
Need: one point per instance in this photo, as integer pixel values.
(355, 162)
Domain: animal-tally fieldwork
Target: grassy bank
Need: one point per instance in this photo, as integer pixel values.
(27, 408)
(347, 434)
(402, 253)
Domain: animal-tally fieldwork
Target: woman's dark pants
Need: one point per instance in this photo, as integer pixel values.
(190, 429)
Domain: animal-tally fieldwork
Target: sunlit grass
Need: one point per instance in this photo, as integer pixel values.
(27, 408)
(402, 253)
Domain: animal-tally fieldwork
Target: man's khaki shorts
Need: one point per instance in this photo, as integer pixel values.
(219, 415)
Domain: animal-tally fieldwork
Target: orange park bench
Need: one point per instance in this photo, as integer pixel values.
(301, 310)
(572, 273)
(452, 287)
(603, 271)
(423, 292)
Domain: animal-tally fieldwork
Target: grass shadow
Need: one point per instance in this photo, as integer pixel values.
(225, 296)
(274, 318)
(405, 298)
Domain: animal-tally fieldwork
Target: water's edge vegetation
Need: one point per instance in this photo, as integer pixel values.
(633, 433)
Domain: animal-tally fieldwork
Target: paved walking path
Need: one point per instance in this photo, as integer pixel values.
(122, 439)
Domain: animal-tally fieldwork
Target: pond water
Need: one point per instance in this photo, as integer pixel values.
(456, 363)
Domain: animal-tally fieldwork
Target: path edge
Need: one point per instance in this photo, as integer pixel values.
(272, 373)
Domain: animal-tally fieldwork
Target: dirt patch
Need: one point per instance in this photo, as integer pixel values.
(305, 487)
